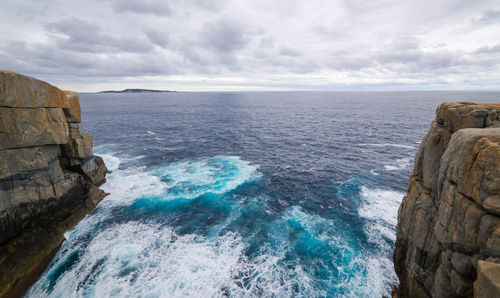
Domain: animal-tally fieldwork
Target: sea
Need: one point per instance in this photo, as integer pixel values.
(245, 194)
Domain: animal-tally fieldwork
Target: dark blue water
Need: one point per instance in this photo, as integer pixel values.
(245, 194)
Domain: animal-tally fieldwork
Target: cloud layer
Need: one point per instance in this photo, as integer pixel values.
(256, 45)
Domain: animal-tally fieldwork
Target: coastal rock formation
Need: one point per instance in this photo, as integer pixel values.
(49, 179)
(448, 231)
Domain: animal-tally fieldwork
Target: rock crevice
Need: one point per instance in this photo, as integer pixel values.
(448, 231)
(49, 178)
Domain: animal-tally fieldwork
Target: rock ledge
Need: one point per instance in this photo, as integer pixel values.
(49, 178)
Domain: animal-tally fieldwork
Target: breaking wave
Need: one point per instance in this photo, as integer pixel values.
(119, 251)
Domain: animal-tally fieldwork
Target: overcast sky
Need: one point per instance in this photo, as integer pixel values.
(200, 45)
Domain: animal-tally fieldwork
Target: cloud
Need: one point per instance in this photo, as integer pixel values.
(157, 37)
(83, 36)
(153, 7)
(312, 44)
(225, 35)
(405, 55)
(210, 5)
(488, 50)
(288, 51)
(490, 16)
(80, 63)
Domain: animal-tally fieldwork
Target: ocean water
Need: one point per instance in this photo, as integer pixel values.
(268, 194)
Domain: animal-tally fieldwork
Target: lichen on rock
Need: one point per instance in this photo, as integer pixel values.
(448, 222)
(49, 178)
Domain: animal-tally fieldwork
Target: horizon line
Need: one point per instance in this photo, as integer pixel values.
(228, 91)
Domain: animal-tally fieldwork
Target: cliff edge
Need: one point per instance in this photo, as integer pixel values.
(49, 178)
(448, 231)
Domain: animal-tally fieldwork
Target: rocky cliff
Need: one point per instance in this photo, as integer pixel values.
(448, 231)
(49, 178)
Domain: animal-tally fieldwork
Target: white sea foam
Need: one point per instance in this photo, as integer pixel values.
(150, 260)
(379, 275)
(266, 276)
(188, 180)
(111, 162)
(399, 164)
(145, 260)
(127, 185)
(217, 175)
(134, 158)
(142, 260)
(373, 272)
(380, 208)
(149, 132)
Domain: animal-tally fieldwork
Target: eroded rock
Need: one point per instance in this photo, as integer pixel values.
(72, 107)
(19, 91)
(449, 222)
(487, 284)
(24, 127)
(49, 177)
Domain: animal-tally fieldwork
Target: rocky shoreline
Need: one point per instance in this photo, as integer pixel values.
(448, 231)
(49, 178)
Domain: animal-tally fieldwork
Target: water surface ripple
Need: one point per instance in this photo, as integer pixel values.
(272, 194)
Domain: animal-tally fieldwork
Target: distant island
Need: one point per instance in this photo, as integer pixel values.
(135, 91)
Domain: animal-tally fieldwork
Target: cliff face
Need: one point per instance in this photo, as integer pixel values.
(448, 231)
(49, 178)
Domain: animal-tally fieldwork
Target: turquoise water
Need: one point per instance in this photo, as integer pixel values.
(245, 194)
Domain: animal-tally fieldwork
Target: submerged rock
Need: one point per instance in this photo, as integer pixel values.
(49, 178)
(448, 222)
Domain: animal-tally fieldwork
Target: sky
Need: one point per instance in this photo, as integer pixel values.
(226, 45)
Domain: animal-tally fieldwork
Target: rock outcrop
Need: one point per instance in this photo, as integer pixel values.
(49, 179)
(448, 231)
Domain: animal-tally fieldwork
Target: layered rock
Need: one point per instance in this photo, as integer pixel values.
(448, 231)
(49, 178)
